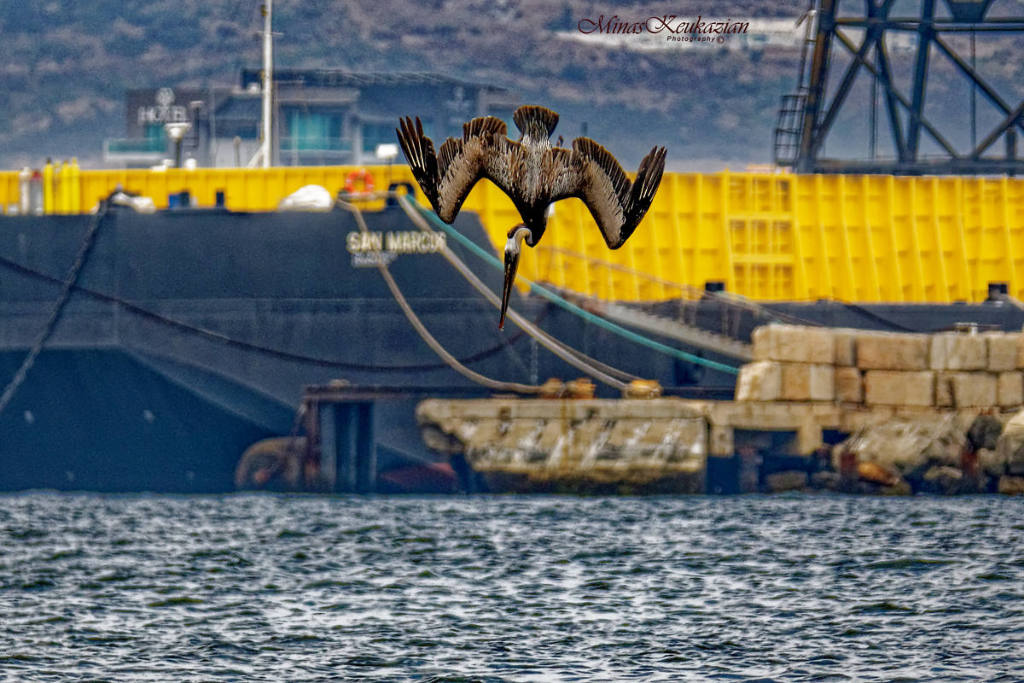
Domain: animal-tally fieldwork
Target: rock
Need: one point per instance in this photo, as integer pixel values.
(990, 462)
(885, 351)
(900, 488)
(759, 381)
(1010, 447)
(1011, 486)
(849, 386)
(906, 447)
(875, 473)
(789, 480)
(1002, 350)
(1010, 389)
(807, 382)
(956, 351)
(794, 344)
(984, 432)
(944, 479)
(893, 388)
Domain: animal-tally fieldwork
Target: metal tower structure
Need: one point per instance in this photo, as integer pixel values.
(866, 31)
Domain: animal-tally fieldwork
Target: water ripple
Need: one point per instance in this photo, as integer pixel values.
(267, 588)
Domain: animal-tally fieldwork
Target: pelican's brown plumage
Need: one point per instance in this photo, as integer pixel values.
(533, 173)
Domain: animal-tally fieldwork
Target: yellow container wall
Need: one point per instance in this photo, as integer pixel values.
(767, 236)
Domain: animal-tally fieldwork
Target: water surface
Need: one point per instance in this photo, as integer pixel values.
(265, 588)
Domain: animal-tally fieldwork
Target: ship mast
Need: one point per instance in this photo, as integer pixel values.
(268, 84)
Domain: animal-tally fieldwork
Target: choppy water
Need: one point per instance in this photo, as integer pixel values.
(518, 589)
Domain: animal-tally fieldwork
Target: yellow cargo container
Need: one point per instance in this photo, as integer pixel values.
(767, 236)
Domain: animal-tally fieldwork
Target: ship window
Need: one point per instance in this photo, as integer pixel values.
(382, 134)
(155, 132)
(313, 131)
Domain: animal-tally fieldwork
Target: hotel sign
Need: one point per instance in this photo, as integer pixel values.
(163, 110)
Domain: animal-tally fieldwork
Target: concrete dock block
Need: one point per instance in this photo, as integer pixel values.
(807, 382)
(955, 351)
(849, 385)
(759, 381)
(1002, 350)
(1010, 389)
(944, 389)
(721, 440)
(974, 389)
(845, 341)
(896, 388)
(889, 351)
(793, 344)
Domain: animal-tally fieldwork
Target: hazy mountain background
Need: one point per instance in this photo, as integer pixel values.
(66, 65)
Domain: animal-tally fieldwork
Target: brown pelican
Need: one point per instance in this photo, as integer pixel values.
(534, 174)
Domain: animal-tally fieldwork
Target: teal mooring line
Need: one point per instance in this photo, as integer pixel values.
(573, 308)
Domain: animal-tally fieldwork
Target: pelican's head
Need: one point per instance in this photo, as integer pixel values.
(513, 250)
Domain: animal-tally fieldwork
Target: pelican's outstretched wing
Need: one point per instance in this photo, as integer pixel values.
(447, 177)
(592, 174)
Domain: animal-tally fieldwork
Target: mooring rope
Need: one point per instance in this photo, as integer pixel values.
(249, 346)
(569, 306)
(603, 373)
(726, 298)
(58, 307)
(424, 333)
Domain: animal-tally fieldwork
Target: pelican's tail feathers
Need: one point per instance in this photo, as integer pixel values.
(535, 122)
(485, 127)
(419, 151)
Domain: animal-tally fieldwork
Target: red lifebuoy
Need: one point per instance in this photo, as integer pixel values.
(361, 175)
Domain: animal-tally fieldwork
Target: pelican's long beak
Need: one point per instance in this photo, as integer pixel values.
(512, 253)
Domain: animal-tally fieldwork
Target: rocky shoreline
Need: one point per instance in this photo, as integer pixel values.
(938, 456)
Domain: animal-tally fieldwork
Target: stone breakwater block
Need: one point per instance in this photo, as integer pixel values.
(894, 388)
(849, 385)
(759, 381)
(1010, 447)
(845, 341)
(903, 445)
(807, 382)
(973, 389)
(793, 344)
(952, 351)
(944, 389)
(883, 351)
(1010, 390)
(1003, 348)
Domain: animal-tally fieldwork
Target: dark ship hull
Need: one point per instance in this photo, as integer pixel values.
(192, 334)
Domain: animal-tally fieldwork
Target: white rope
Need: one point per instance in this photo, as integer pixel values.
(574, 358)
(434, 345)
